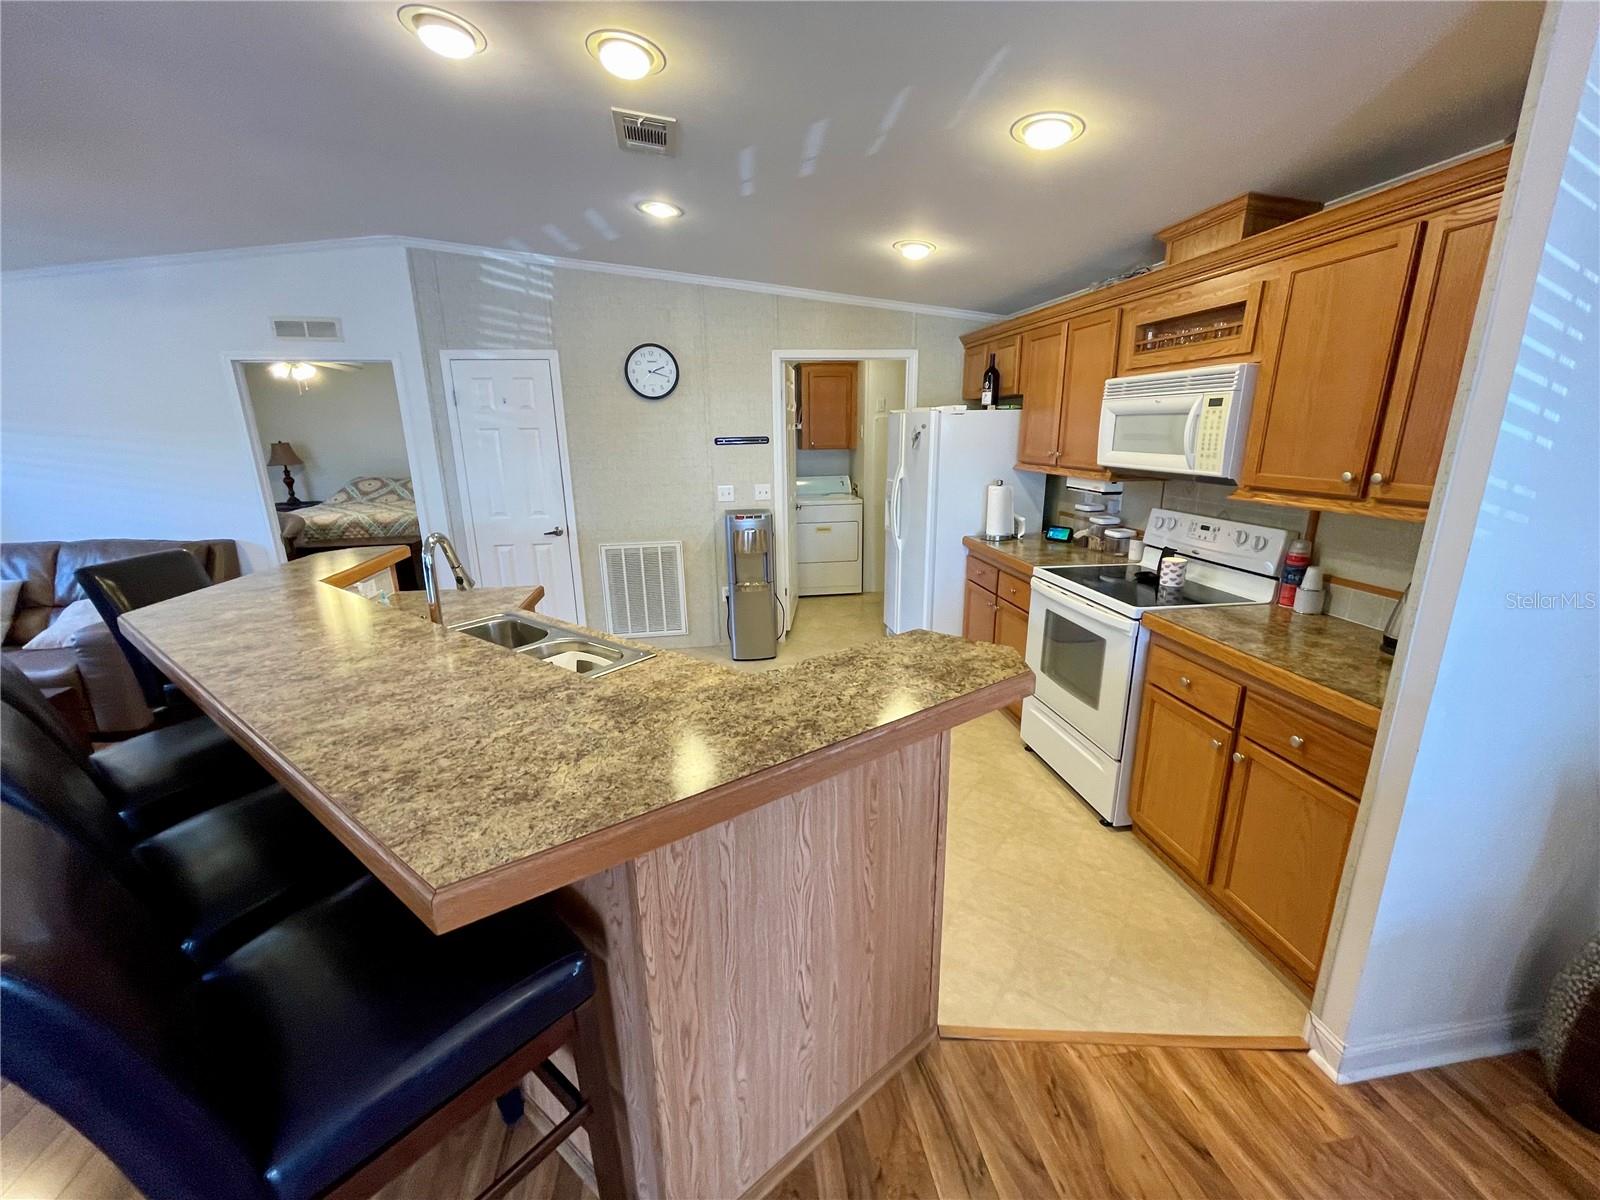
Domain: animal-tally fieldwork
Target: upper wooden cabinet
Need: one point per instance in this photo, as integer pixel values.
(1039, 442)
(1337, 325)
(1204, 322)
(1006, 350)
(1455, 251)
(1091, 360)
(827, 406)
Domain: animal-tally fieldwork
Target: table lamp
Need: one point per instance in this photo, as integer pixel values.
(283, 455)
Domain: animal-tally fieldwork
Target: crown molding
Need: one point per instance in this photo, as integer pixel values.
(522, 257)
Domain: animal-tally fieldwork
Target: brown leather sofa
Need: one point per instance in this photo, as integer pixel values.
(109, 700)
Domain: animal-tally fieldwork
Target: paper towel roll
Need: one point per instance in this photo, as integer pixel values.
(998, 511)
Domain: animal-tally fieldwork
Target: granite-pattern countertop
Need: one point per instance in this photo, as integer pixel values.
(458, 757)
(1326, 652)
(1033, 551)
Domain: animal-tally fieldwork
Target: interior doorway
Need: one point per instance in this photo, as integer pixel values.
(331, 446)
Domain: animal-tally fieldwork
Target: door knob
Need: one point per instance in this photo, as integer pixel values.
(1296, 741)
(1237, 757)
(556, 532)
(1377, 477)
(1348, 477)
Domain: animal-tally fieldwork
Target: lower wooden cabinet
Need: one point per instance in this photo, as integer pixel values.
(1281, 855)
(1263, 837)
(1176, 798)
(978, 618)
(1011, 629)
(992, 613)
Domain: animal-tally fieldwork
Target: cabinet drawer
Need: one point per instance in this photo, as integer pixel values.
(1213, 694)
(1014, 589)
(982, 574)
(1311, 744)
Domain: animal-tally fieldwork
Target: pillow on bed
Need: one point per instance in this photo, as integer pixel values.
(373, 487)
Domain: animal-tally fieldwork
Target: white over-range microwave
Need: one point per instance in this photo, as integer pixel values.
(1178, 422)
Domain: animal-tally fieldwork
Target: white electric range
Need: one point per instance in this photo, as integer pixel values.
(1087, 647)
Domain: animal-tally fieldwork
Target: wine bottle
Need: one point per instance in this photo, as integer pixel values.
(991, 384)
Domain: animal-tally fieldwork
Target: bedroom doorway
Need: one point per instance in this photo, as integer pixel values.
(333, 447)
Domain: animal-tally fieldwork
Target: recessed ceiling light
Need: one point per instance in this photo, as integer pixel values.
(1047, 130)
(916, 251)
(626, 55)
(659, 208)
(443, 32)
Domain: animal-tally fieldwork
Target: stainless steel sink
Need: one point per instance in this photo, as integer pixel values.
(576, 652)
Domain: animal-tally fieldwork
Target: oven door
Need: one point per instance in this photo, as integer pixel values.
(1082, 657)
(1152, 433)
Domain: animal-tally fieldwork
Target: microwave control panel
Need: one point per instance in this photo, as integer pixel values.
(1210, 433)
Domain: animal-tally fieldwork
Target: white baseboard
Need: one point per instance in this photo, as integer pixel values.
(1435, 1046)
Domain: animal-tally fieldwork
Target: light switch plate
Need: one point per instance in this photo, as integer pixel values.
(763, 491)
(724, 492)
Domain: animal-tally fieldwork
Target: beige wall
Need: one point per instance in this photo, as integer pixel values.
(642, 469)
(345, 424)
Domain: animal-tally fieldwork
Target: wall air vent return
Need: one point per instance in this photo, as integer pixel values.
(643, 588)
(315, 329)
(641, 131)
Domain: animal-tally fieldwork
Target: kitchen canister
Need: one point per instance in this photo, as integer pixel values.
(1174, 570)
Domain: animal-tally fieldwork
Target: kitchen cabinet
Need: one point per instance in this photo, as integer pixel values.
(1038, 443)
(1007, 352)
(1011, 629)
(1281, 855)
(996, 607)
(1208, 321)
(1249, 792)
(1091, 360)
(1444, 299)
(978, 617)
(1176, 797)
(827, 406)
(1338, 323)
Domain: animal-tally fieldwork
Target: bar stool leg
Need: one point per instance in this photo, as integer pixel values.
(588, 1051)
(511, 1106)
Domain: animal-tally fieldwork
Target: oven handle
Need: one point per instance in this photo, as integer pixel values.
(1083, 610)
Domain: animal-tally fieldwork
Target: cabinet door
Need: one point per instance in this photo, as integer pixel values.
(1011, 629)
(1180, 769)
(1091, 360)
(1284, 838)
(1038, 441)
(1455, 250)
(1312, 431)
(827, 406)
(977, 620)
(1007, 353)
(973, 362)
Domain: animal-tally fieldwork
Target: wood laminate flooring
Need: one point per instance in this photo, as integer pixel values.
(1037, 1119)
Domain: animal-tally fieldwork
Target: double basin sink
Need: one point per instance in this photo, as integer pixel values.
(576, 652)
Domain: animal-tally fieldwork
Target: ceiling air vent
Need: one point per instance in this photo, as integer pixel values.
(641, 131)
(316, 329)
(643, 587)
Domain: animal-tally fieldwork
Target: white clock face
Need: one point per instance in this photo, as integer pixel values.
(652, 371)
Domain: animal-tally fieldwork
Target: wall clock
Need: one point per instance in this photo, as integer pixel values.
(651, 371)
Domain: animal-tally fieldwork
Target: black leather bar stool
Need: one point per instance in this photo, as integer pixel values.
(321, 1059)
(126, 584)
(155, 779)
(216, 879)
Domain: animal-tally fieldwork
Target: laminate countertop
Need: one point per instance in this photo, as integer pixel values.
(1023, 554)
(1328, 660)
(457, 769)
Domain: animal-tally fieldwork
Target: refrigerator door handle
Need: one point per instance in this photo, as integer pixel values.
(899, 489)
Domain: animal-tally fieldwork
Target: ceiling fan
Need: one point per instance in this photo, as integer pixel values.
(304, 373)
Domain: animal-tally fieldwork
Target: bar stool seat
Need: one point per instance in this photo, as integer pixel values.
(360, 1019)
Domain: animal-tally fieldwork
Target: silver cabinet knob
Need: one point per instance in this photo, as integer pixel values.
(1377, 477)
(1237, 757)
(1296, 741)
(1216, 743)
(1184, 681)
(1348, 477)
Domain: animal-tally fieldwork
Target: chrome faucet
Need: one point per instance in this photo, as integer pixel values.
(429, 584)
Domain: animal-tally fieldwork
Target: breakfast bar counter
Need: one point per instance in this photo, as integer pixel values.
(755, 860)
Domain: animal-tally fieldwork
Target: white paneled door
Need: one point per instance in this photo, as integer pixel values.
(511, 465)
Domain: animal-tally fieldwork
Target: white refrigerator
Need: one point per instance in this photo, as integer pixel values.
(940, 462)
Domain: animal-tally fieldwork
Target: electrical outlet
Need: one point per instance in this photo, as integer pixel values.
(763, 491)
(724, 493)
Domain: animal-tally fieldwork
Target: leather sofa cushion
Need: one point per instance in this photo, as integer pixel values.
(174, 772)
(34, 563)
(73, 555)
(350, 1021)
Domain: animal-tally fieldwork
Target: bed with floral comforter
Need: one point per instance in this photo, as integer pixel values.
(369, 510)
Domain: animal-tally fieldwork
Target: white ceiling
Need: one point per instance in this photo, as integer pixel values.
(812, 135)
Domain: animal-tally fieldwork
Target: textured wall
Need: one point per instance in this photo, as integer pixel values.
(642, 469)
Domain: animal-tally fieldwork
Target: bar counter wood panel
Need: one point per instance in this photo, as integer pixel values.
(762, 973)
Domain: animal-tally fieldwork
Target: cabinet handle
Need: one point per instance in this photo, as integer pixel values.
(1348, 477)
(1216, 743)
(1377, 477)
(1237, 757)
(1184, 681)
(1296, 741)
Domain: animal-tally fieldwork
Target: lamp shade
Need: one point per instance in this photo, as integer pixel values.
(283, 455)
